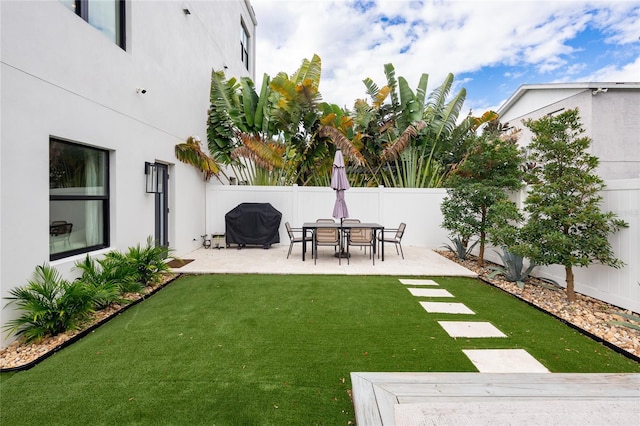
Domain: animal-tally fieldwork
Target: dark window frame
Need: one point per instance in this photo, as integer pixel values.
(244, 44)
(105, 198)
(82, 10)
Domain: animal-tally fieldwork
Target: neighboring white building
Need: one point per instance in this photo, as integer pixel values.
(609, 113)
(91, 91)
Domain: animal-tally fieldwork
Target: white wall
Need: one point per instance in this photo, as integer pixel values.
(62, 77)
(418, 208)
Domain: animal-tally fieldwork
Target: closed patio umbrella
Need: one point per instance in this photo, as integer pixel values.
(339, 183)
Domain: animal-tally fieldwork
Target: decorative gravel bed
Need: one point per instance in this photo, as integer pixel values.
(586, 313)
(20, 355)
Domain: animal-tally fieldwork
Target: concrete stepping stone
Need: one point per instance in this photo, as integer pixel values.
(430, 292)
(473, 329)
(446, 308)
(417, 282)
(504, 361)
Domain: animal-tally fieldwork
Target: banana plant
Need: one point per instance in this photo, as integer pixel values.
(240, 132)
(411, 135)
(190, 152)
(267, 138)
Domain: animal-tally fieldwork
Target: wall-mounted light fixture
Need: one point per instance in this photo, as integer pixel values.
(599, 90)
(151, 177)
(186, 11)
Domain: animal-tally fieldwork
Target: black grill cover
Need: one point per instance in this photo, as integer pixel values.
(253, 224)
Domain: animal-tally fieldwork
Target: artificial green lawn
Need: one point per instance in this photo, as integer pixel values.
(273, 349)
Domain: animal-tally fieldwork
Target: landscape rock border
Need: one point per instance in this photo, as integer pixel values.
(22, 356)
(587, 315)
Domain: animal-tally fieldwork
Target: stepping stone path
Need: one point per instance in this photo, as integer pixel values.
(485, 360)
(430, 292)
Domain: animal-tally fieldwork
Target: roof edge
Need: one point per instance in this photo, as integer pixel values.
(578, 85)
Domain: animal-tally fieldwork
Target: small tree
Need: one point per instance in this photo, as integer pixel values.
(565, 225)
(478, 201)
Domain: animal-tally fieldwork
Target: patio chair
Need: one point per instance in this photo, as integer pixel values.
(60, 230)
(362, 238)
(325, 237)
(396, 239)
(293, 236)
(347, 231)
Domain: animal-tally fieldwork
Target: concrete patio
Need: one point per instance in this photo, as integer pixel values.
(418, 261)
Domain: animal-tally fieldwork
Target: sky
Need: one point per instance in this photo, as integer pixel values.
(491, 47)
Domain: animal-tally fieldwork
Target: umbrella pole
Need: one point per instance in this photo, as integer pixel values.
(341, 253)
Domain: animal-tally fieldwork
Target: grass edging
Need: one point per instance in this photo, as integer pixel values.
(86, 331)
(592, 336)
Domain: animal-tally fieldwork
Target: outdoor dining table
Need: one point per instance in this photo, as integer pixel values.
(312, 226)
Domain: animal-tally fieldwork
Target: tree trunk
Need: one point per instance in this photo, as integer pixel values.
(483, 236)
(481, 252)
(571, 295)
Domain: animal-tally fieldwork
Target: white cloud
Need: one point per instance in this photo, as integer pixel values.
(627, 73)
(355, 39)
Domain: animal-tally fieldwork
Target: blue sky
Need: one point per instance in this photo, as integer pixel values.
(491, 47)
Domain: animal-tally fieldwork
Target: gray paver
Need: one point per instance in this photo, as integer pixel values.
(504, 361)
(475, 329)
(430, 292)
(446, 308)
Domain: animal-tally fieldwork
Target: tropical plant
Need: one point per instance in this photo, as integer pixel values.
(49, 305)
(267, 139)
(565, 225)
(460, 247)
(104, 292)
(404, 138)
(149, 262)
(190, 152)
(239, 130)
(513, 268)
(109, 278)
(409, 141)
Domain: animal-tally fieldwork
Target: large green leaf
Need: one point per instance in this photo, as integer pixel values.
(249, 101)
(390, 73)
(261, 109)
(421, 91)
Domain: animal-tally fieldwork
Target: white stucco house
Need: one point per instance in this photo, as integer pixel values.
(94, 97)
(608, 111)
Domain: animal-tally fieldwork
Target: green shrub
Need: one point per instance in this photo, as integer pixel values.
(146, 264)
(50, 305)
(459, 247)
(108, 279)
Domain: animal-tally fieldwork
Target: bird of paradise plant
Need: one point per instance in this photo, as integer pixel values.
(190, 152)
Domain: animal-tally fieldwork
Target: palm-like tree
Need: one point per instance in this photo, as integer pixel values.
(406, 138)
(266, 138)
(286, 135)
(190, 152)
(239, 132)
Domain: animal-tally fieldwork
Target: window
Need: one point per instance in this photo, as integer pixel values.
(105, 15)
(244, 45)
(78, 199)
